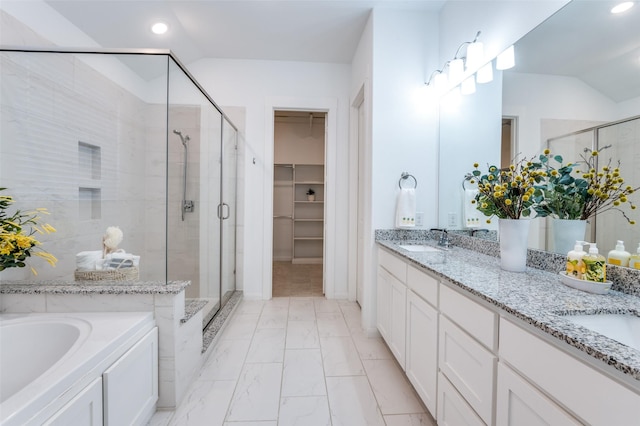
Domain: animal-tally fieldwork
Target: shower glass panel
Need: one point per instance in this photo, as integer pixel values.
(84, 135)
(624, 141)
(193, 188)
(228, 209)
(126, 139)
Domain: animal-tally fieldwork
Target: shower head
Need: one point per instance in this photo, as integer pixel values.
(184, 139)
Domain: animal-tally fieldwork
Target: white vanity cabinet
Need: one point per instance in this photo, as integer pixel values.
(566, 382)
(422, 346)
(392, 301)
(519, 403)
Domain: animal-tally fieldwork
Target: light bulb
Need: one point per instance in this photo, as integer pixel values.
(485, 74)
(440, 81)
(159, 28)
(622, 7)
(506, 59)
(475, 55)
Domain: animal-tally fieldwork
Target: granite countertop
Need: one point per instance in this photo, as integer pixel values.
(535, 296)
(93, 287)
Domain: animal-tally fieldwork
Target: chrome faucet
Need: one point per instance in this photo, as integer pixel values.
(443, 241)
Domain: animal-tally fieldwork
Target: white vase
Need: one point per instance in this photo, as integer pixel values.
(514, 236)
(565, 233)
(311, 197)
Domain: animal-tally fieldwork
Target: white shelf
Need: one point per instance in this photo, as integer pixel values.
(307, 226)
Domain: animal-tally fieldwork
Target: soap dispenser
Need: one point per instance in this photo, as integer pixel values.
(634, 260)
(575, 265)
(595, 265)
(619, 256)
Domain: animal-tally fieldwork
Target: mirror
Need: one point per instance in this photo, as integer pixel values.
(578, 69)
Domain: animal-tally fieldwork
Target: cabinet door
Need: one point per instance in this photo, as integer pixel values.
(383, 304)
(453, 410)
(398, 320)
(85, 409)
(469, 366)
(131, 384)
(519, 403)
(422, 349)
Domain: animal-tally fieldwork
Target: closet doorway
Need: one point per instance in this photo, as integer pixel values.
(298, 203)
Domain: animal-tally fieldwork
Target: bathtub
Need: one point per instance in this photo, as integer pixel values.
(47, 358)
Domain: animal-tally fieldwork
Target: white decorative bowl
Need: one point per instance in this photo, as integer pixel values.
(588, 286)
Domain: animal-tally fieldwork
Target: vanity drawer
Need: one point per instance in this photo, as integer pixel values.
(474, 318)
(469, 367)
(397, 267)
(423, 285)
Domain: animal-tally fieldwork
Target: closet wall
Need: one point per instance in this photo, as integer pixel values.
(298, 222)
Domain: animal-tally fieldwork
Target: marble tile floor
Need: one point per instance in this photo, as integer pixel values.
(298, 361)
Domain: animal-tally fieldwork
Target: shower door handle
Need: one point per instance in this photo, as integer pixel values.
(221, 207)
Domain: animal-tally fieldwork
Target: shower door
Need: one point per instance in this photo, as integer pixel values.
(228, 210)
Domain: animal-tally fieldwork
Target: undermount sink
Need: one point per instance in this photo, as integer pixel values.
(419, 248)
(619, 327)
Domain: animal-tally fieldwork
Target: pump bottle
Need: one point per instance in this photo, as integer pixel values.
(634, 260)
(595, 265)
(619, 256)
(575, 265)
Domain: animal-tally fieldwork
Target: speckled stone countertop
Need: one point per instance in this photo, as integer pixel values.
(535, 296)
(93, 287)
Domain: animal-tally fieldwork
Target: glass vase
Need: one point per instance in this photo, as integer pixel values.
(514, 237)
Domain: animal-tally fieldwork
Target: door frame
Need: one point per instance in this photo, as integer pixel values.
(330, 107)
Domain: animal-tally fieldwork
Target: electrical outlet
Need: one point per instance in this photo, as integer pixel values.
(419, 218)
(452, 220)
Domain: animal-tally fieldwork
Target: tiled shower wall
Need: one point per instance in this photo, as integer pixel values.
(68, 134)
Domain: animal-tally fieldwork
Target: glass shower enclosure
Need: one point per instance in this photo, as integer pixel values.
(124, 138)
(618, 141)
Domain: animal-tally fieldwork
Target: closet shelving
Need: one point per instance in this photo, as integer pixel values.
(306, 217)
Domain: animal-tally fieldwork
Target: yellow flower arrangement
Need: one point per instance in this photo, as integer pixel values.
(508, 193)
(17, 243)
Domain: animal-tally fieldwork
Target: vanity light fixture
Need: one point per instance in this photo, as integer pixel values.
(457, 66)
(622, 7)
(485, 74)
(159, 28)
(506, 59)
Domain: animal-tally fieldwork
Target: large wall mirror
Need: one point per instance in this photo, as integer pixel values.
(576, 85)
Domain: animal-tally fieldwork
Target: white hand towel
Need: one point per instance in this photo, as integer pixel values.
(406, 208)
(471, 214)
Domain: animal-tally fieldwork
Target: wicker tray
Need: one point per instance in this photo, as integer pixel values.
(122, 274)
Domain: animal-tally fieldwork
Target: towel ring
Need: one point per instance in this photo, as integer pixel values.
(467, 177)
(405, 176)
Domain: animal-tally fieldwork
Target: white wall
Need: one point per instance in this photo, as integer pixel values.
(253, 85)
(404, 136)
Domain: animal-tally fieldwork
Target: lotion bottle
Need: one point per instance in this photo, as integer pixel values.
(595, 265)
(634, 260)
(575, 265)
(619, 256)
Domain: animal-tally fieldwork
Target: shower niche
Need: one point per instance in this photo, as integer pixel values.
(127, 139)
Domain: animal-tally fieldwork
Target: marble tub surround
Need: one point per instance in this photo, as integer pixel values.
(536, 297)
(93, 287)
(625, 280)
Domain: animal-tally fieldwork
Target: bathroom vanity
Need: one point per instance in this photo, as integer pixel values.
(483, 346)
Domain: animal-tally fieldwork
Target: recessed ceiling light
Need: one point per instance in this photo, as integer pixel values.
(159, 28)
(622, 7)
